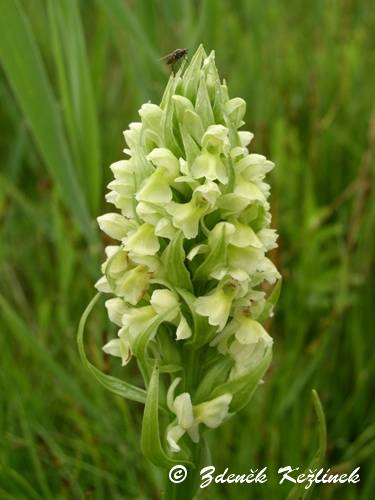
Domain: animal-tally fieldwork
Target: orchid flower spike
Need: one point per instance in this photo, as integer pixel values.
(187, 270)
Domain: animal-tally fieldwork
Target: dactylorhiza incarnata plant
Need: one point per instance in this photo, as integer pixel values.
(188, 269)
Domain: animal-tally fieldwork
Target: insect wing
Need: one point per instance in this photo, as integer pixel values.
(169, 58)
(174, 56)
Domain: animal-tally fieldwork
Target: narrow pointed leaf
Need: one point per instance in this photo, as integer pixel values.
(243, 387)
(150, 438)
(173, 259)
(299, 492)
(77, 93)
(112, 384)
(216, 255)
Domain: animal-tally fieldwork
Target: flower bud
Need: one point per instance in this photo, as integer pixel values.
(115, 225)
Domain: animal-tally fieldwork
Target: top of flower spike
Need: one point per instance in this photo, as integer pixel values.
(200, 100)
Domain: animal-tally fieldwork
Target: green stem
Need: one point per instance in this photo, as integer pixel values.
(192, 369)
(199, 452)
(187, 489)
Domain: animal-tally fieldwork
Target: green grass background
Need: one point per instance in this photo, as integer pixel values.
(73, 76)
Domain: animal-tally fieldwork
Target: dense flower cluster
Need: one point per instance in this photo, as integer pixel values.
(190, 263)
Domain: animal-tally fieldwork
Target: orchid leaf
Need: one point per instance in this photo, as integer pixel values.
(173, 259)
(150, 438)
(112, 384)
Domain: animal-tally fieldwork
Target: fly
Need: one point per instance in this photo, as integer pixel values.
(174, 56)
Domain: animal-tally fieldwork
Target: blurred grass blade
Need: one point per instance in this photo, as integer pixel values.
(299, 491)
(30, 439)
(112, 384)
(31, 343)
(17, 484)
(77, 94)
(122, 14)
(24, 67)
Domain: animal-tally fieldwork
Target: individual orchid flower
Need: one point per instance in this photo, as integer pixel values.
(156, 189)
(123, 188)
(209, 164)
(115, 226)
(120, 348)
(247, 353)
(135, 320)
(188, 417)
(142, 241)
(163, 300)
(186, 216)
(124, 277)
(217, 304)
(116, 308)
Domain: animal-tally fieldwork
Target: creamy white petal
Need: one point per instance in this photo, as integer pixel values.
(212, 413)
(183, 330)
(174, 434)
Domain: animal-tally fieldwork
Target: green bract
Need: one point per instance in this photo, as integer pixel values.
(187, 273)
